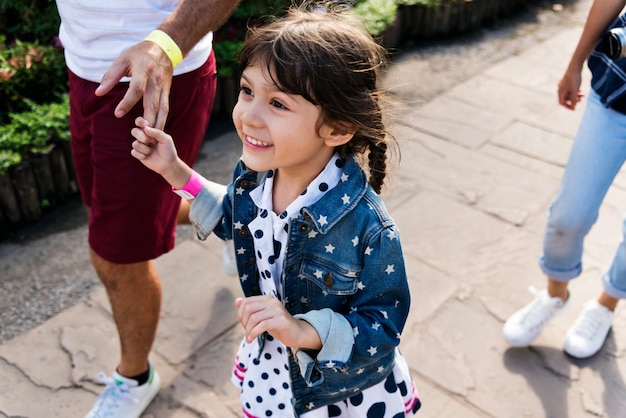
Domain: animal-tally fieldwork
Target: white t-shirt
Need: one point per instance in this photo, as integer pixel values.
(94, 33)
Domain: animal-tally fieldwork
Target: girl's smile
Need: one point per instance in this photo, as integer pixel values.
(255, 142)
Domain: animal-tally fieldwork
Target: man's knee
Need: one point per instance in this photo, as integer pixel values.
(113, 275)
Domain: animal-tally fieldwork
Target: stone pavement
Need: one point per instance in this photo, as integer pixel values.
(480, 165)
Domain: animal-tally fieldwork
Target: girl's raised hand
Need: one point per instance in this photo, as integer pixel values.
(153, 147)
(259, 314)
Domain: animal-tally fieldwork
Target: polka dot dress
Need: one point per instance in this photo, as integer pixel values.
(263, 376)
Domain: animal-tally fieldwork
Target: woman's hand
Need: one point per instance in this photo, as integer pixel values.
(569, 90)
(259, 314)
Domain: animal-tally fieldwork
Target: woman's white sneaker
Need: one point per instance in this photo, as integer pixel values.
(587, 335)
(525, 325)
(123, 398)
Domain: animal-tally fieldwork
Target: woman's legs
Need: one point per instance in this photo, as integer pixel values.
(598, 152)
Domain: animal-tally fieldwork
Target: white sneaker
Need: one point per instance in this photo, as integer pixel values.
(525, 325)
(122, 398)
(587, 335)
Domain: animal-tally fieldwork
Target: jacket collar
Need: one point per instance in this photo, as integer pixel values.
(338, 202)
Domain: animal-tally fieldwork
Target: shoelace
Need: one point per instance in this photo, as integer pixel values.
(588, 325)
(111, 395)
(536, 311)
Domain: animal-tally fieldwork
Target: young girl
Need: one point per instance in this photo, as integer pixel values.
(318, 256)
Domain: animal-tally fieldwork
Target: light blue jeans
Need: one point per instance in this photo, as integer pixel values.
(598, 152)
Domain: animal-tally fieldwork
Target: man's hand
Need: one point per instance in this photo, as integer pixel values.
(151, 71)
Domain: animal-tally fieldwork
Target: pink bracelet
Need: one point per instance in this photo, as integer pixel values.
(192, 188)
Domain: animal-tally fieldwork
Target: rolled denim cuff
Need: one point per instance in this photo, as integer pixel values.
(560, 275)
(206, 211)
(337, 340)
(610, 290)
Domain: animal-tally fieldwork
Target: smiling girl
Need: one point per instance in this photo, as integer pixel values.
(320, 262)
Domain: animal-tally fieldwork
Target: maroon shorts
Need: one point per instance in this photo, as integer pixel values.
(133, 210)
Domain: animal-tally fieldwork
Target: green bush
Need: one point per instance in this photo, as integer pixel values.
(8, 159)
(228, 39)
(377, 15)
(29, 20)
(32, 132)
(29, 72)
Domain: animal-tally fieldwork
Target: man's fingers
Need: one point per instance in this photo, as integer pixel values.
(163, 109)
(113, 75)
(135, 92)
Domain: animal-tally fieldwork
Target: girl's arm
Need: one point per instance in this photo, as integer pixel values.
(601, 15)
(156, 150)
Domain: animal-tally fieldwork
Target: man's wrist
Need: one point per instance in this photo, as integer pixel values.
(167, 44)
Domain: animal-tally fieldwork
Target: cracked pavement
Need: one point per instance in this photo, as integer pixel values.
(483, 145)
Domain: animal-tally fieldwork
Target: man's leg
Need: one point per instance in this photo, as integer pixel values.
(134, 291)
(183, 212)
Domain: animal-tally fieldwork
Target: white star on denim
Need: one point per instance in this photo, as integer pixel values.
(329, 248)
(355, 241)
(389, 269)
(372, 350)
(322, 220)
(368, 251)
(345, 199)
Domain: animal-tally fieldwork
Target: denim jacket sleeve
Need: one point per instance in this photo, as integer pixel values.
(377, 311)
(206, 210)
(336, 335)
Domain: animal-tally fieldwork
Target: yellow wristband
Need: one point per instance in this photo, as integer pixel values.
(167, 44)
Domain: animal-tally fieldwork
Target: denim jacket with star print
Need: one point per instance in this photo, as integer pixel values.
(343, 273)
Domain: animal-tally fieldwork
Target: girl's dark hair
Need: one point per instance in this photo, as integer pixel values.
(324, 54)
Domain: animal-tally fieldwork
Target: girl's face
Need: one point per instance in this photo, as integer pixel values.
(279, 130)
